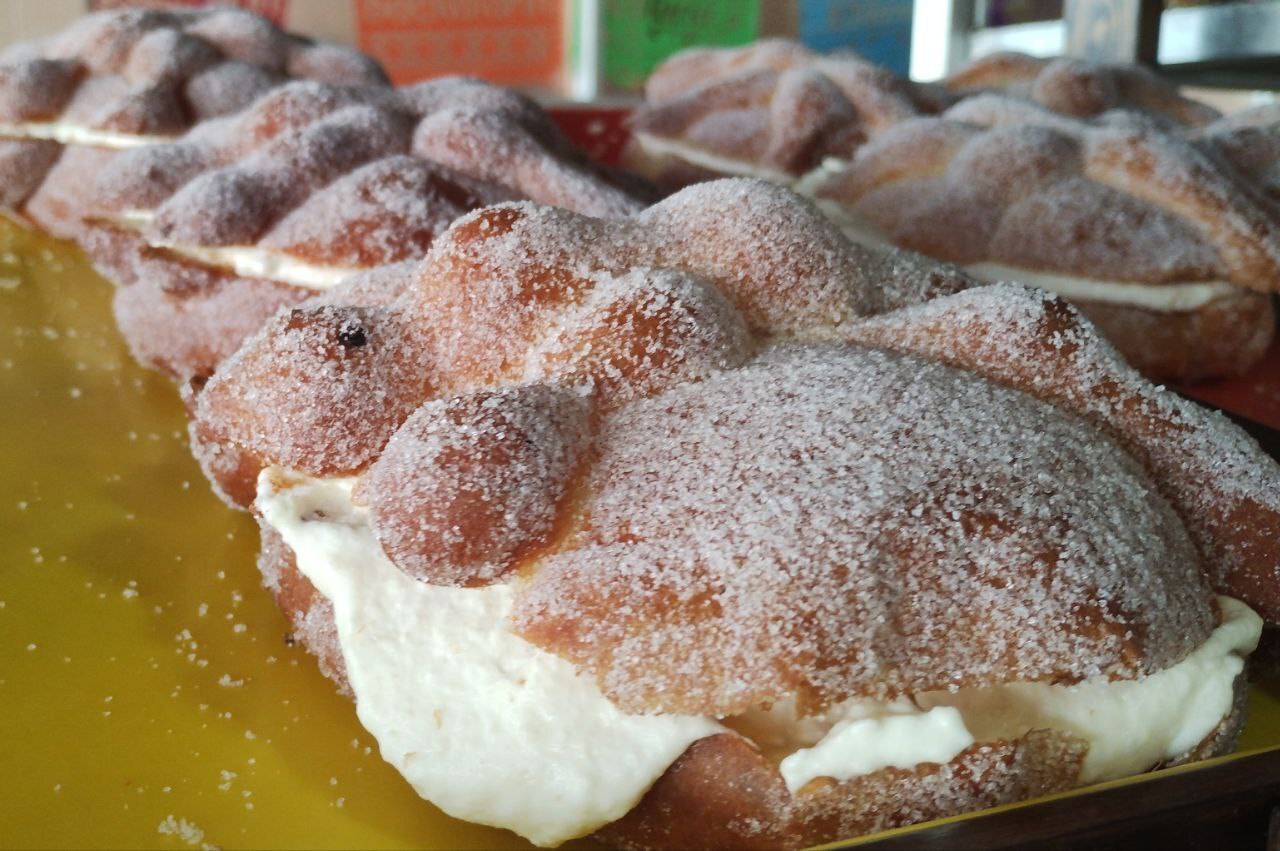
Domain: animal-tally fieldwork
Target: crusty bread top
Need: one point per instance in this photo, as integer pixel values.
(712, 499)
(776, 105)
(999, 179)
(519, 292)
(1079, 87)
(353, 177)
(155, 73)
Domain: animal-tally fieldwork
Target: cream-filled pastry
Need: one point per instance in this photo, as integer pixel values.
(756, 510)
(304, 189)
(118, 80)
(772, 110)
(1169, 252)
(474, 716)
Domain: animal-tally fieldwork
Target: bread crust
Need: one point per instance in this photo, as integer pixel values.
(722, 793)
(1223, 338)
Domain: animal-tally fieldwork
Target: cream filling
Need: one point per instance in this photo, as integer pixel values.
(483, 724)
(870, 736)
(661, 147)
(495, 730)
(1130, 725)
(248, 261)
(253, 262)
(1163, 297)
(74, 134)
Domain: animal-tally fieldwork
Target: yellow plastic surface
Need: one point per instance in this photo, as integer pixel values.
(145, 683)
(148, 697)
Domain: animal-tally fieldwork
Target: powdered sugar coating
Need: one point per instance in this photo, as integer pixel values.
(518, 293)
(184, 323)
(469, 487)
(321, 172)
(1226, 490)
(389, 210)
(1079, 87)
(771, 106)
(1250, 141)
(151, 57)
(322, 182)
(127, 78)
(831, 522)
(1116, 199)
(792, 518)
(507, 284)
(320, 388)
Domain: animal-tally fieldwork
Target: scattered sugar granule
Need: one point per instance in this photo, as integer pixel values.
(181, 828)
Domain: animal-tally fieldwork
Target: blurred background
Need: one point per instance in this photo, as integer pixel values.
(602, 50)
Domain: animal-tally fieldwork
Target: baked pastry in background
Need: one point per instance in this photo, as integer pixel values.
(1249, 140)
(1160, 242)
(117, 80)
(772, 109)
(210, 234)
(693, 514)
(1079, 88)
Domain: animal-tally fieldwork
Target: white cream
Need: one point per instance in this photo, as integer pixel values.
(1165, 297)
(247, 261)
(1130, 724)
(252, 262)
(494, 730)
(870, 736)
(483, 724)
(74, 134)
(661, 147)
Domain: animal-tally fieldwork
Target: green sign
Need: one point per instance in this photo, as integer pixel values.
(639, 34)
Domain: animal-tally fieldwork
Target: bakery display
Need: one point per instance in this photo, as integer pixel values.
(735, 519)
(1099, 182)
(117, 80)
(766, 532)
(1169, 250)
(772, 109)
(1079, 88)
(210, 234)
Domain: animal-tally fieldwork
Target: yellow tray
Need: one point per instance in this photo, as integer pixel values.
(148, 697)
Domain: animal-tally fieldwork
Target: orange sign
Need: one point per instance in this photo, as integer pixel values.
(513, 42)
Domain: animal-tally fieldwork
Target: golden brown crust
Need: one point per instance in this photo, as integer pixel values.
(772, 107)
(993, 180)
(1078, 87)
(308, 612)
(150, 74)
(1225, 337)
(1220, 483)
(722, 794)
